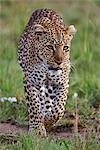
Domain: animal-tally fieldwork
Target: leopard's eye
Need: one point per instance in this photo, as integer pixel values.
(66, 48)
(50, 47)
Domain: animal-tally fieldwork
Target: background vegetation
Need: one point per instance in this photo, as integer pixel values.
(85, 56)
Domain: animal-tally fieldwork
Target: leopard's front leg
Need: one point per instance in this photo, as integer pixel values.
(35, 117)
(35, 122)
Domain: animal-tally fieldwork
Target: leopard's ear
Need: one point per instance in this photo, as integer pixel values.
(39, 29)
(71, 30)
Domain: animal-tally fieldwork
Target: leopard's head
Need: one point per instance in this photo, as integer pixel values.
(52, 43)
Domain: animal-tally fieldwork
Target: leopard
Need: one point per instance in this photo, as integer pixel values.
(44, 57)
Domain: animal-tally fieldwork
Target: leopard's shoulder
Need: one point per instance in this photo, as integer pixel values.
(41, 16)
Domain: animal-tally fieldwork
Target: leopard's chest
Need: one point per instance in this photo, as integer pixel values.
(50, 89)
(42, 76)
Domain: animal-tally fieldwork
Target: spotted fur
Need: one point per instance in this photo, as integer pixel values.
(44, 56)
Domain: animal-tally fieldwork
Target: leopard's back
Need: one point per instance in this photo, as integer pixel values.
(42, 15)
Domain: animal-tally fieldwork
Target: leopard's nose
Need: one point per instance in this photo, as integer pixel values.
(59, 56)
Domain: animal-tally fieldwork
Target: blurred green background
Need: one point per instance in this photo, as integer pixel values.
(85, 50)
(85, 70)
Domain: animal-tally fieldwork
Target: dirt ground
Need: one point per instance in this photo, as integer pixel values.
(10, 130)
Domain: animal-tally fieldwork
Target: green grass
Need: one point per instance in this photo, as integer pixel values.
(85, 56)
(32, 142)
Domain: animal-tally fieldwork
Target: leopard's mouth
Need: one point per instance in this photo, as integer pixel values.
(53, 66)
(55, 69)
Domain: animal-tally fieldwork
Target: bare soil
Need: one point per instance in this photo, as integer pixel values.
(10, 130)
